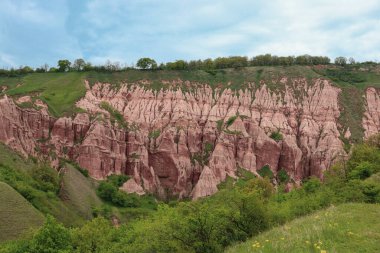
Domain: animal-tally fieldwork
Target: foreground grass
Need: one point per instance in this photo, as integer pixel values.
(345, 228)
(17, 215)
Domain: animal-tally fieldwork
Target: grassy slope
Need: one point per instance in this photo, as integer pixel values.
(345, 228)
(79, 192)
(14, 168)
(17, 215)
(59, 90)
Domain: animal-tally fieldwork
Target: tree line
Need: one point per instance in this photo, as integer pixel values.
(146, 63)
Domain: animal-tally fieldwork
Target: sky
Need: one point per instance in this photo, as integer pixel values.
(43, 31)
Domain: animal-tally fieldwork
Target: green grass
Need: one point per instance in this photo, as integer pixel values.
(17, 171)
(59, 90)
(79, 192)
(17, 215)
(345, 228)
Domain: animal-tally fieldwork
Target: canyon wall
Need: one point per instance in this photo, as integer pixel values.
(184, 143)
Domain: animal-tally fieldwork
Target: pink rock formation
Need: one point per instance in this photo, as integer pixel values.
(371, 119)
(132, 187)
(179, 143)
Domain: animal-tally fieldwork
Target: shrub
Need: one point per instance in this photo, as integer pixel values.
(46, 177)
(265, 171)
(283, 176)
(107, 190)
(261, 186)
(117, 180)
(231, 120)
(219, 125)
(361, 171)
(154, 134)
(52, 237)
(277, 136)
(312, 185)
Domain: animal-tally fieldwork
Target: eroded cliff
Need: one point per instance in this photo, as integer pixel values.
(184, 142)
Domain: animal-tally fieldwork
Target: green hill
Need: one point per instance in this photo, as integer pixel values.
(345, 228)
(17, 215)
(79, 192)
(24, 175)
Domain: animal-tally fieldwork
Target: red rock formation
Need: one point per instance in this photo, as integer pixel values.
(179, 143)
(371, 119)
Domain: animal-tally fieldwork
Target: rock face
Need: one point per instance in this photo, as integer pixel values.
(185, 143)
(371, 119)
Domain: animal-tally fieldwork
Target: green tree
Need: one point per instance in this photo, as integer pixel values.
(98, 235)
(79, 64)
(64, 65)
(342, 61)
(146, 63)
(51, 238)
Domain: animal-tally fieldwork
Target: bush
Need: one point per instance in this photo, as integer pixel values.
(117, 180)
(47, 178)
(277, 136)
(265, 171)
(362, 171)
(312, 185)
(107, 190)
(231, 120)
(52, 237)
(283, 176)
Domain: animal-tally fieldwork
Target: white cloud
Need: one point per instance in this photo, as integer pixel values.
(124, 30)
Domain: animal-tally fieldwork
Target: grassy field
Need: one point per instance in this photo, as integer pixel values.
(59, 90)
(17, 215)
(79, 192)
(345, 228)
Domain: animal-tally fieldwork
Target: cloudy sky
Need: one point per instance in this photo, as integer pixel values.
(43, 31)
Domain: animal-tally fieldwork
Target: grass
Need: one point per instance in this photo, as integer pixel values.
(17, 215)
(79, 192)
(345, 228)
(17, 171)
(59, 91)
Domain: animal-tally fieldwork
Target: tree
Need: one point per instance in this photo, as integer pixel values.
(146, 63)
(52, 237)
(342, 61)
(64, 65)
(351, 60)
(79, 64)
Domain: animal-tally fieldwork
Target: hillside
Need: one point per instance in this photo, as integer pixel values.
(174, 132)
(79, 192)
(344, 228)
(17, 215)
(38, 183)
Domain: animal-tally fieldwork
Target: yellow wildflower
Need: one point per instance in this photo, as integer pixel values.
(267, 240)
(323, 251)
(282, 238)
